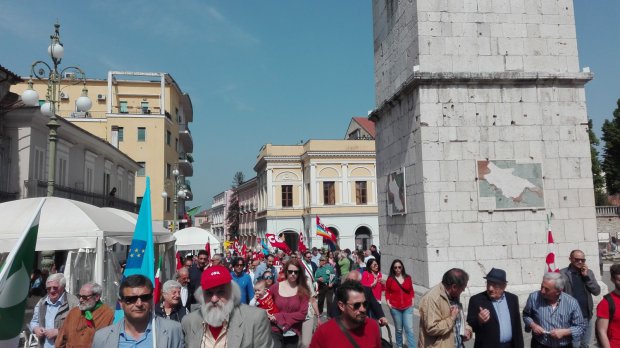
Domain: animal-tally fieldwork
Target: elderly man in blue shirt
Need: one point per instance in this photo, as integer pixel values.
(553, 317)
(51, 311)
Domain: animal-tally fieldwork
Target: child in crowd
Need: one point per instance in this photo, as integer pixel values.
(263, 298)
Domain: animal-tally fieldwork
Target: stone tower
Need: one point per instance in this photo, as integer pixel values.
(481, 138)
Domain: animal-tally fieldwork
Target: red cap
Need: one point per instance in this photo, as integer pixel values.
(215, 276)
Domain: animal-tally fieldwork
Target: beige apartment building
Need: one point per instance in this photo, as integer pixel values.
(334, 179)
(248, 204)
(146, 116)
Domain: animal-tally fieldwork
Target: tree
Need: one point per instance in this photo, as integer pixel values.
(232, 216)
(600, 195)
(611, 156)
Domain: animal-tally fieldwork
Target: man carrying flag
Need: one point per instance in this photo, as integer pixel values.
(15, 281)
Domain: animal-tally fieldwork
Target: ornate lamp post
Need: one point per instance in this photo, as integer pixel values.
(179, 192)
(41, 70)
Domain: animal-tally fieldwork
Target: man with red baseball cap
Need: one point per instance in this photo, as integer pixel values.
(223, 321)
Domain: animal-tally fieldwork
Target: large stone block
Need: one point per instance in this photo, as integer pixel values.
(466, 234)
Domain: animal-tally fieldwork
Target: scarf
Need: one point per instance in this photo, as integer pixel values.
(88, 314)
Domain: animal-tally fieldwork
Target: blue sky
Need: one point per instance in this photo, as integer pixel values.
(257, 71)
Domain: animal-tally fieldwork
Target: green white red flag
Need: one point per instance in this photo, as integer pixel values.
(15, 282)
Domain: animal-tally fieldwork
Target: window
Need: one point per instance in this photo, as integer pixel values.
(141, 134)
(123, 107)
(329, 193)
(287, 195)
(145, 107)
(168, 204)
(39, 163)
(142, 169)
(361, 194)
(168, 170)
(176, 144)
(139, 201)
(121, 133)
(168, 138)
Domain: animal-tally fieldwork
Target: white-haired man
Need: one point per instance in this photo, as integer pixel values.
(553, 316)
(171, 306)
(223, 321)
(51, 311)
(83, 321)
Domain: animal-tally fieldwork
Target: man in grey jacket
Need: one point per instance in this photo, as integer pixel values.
(139, 328)
(223, 321)
(581, 284)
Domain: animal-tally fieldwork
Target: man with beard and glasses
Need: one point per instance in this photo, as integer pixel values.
(82, 321)
(223, 321)
(139, 328)
(352, 328)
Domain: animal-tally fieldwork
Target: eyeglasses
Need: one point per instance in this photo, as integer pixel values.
(398, 267)
(219, 293)
(85, 297)
(579, 260)
(356, 306)
(48, 288)
(239, 265)
(134, 299)
(292, 271)
(268, 277)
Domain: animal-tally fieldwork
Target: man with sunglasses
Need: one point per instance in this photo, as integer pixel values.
(352, 328)
(223, 321)
(580, 283)
(89, 316)
(243, 280)
(266, 265)
(139, 327)
(51, 311)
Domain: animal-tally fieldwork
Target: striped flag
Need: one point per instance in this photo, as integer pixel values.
(551, 247)
(141, 256)
(157, 290)
(15, 282)
(323, 231)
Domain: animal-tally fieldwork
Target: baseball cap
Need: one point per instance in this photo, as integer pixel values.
(215, 276)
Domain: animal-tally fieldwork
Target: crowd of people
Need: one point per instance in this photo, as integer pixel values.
(320, 299)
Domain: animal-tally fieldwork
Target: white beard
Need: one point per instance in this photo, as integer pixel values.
(216, 314)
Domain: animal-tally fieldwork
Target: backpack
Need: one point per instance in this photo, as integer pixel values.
(612, 310)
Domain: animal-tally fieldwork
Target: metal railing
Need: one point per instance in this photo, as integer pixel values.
(611, 210)
(37, 188)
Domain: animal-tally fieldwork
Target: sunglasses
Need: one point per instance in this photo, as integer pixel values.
(219, 293)
(357, 305)
(52, 288)
(398, 267)
(85, 297)
(291, 271)
(579, 260)
(134, 299)
(239, 265)
(268, 277)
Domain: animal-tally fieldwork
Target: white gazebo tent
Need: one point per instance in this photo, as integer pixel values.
(194, 238)
(78, 227)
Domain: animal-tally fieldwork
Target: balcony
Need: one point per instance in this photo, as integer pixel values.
(185, 165)
(185, 136)
(612, 210)
(36, 188)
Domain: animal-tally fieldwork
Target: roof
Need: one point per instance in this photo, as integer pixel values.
(11, 74)
(367, 124)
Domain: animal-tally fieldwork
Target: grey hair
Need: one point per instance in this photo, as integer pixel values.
(57, 277)
(181, 270)
(169, 285)
(556, 278)
(94, 287)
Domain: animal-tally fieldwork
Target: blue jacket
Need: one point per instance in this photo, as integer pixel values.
(245, 284)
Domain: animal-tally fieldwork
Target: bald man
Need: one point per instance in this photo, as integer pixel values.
(374, 311)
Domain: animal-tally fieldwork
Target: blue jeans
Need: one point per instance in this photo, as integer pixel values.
(403, 319)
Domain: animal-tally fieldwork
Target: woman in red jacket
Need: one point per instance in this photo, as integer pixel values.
(399, 296)
(372, 278)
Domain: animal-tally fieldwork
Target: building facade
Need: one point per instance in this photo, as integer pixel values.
(332, 179)
(481, 138)
(218, 212)
(144, 115)
(248, 205)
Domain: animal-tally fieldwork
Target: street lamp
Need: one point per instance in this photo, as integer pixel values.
(179, 192)
(42, 70)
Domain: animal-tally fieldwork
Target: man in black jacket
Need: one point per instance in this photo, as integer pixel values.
(374, 309)
(494, 314)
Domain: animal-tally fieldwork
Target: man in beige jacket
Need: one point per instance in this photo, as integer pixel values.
(442, 320)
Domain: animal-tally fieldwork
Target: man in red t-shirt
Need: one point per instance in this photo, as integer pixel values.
(353, 320)
(608, 330)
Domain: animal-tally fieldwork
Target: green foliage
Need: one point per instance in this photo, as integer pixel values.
(611, 155)
(232, 216)
(600, 196)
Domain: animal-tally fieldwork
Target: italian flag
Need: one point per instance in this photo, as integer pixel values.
(157, 291)
(15, 282)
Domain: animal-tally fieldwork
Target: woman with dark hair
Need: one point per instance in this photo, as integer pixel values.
(372, 278)
(291, 296)
(399, 295)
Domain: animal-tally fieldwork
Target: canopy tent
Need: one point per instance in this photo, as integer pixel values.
(87, 231)
(194, 238)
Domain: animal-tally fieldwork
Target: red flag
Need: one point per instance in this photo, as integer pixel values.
(276, 243)
(550, 259)
(157, 290)
(208, 249)
(300, 244)
(244, 251)
(179, 260)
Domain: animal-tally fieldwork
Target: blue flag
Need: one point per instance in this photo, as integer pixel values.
(141, 256)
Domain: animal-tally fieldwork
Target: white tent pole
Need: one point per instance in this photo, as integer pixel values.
(99, 256)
